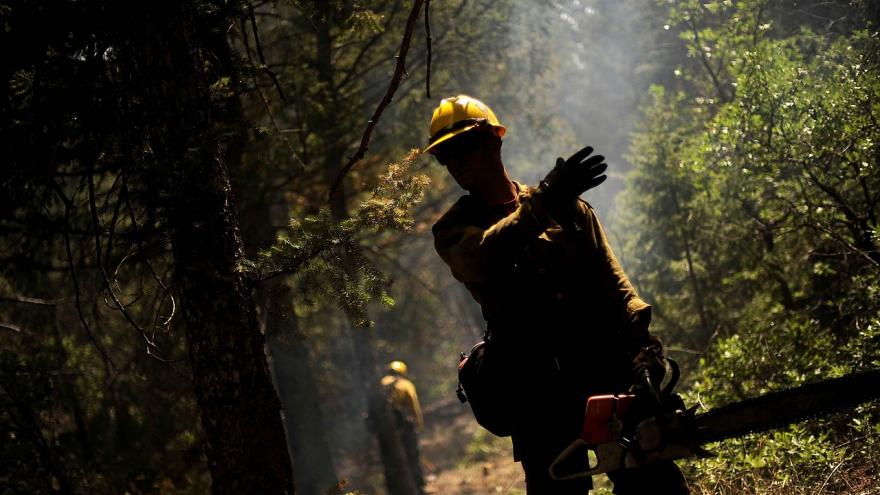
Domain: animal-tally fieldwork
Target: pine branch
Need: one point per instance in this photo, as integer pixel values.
(399, 72)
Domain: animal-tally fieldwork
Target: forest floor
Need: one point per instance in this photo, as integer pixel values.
(460, 458)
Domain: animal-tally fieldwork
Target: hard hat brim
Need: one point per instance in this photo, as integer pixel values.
(432, 148)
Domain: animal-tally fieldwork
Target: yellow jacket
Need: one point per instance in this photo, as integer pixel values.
(402, 394)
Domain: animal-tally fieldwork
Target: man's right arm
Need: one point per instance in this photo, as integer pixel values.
(474, 253)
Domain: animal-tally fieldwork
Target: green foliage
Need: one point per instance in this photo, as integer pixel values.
(756, 196)
(25, 393)
(752, 209)
(327, 255)
(483, 446)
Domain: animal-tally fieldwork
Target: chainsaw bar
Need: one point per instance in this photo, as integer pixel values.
(777, 409)
(681, 434)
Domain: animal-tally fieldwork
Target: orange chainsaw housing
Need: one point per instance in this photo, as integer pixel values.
(600, 409)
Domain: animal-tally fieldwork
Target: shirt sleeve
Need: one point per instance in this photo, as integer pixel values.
(416, 409)
(407, 401)
(635, 312)
(472, 252)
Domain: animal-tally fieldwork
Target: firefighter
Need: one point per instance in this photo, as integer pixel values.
(555, 300)
(404, 402)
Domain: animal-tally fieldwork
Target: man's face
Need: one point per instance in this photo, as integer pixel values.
(471, 158)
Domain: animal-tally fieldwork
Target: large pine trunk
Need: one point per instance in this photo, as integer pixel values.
(192, 123)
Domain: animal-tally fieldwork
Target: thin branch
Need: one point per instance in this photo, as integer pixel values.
(867, 255)
(263, 97)
(294, 264)
(856, 225)
(830, 475)
(65, 231)
(153, 350)
(399, 72)
(34, 300)
(10, 326)
(156, 277)
(428, 43)
(351, 74)
(725, 98)
(108, 284)
(263, 66)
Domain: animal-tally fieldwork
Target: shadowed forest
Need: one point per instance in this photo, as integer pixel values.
(215, 229)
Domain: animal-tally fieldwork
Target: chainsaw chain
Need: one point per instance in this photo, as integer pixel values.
(784, 407)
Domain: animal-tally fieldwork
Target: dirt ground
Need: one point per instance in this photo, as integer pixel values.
(460, 458)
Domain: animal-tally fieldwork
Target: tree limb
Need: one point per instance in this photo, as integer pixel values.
(152, 349)
(265, 68)
(428, 44)
(719, 87)
(399, 72)
(10, 326)
(68, 208)
(33, 300)
(259, 89)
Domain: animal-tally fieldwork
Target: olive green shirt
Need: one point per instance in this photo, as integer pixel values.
(526, 271)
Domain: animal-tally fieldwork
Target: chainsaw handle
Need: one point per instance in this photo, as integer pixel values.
(565, 454)
(609, 456)
(646, 384)
(673, 381)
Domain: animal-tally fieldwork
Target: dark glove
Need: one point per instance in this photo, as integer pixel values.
(651, 360)
(569, 179)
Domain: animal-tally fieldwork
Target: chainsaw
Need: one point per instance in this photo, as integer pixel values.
(622, 437)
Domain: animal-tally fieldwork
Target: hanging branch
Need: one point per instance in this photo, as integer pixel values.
(10, 326)
(263, 98)
(428, 43)
(65, 231)
(153, 349)
(399, 72)
(263, 66)
(96, 227)
(142, 252)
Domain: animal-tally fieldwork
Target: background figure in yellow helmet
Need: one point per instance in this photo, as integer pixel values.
(404, 401)
(563, 320)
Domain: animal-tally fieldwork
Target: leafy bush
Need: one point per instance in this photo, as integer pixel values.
(757, 194)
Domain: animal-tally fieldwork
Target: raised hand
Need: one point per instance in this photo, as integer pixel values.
(569, 179)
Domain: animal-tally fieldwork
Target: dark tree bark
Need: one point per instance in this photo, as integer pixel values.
(190, 125)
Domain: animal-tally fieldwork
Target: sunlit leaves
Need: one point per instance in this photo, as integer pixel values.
(327, 255)
(756, 196)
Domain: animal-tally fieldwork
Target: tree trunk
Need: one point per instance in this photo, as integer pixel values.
(298, 388)
(177, 64)
(398, 477)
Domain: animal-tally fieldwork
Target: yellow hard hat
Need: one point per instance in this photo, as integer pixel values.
(397, 367)
(459, 114)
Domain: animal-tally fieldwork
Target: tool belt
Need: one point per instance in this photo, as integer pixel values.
(503, 371)
(484, 380)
